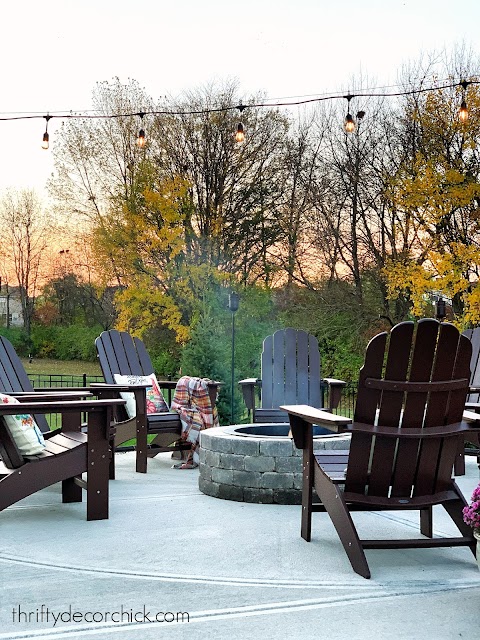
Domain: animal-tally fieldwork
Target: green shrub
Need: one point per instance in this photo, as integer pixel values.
(65, 343)
(19, 340)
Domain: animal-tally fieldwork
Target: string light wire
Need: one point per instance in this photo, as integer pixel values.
(267, 104)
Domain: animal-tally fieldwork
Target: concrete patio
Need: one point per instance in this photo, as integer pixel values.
(239, 570)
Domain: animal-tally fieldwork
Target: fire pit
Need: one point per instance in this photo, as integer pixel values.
(256, 462)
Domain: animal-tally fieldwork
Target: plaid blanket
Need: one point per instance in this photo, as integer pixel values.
(192, 402)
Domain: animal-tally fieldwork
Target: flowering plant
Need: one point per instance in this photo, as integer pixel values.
(471, 514)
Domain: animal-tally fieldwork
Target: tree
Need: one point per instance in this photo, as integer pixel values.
(26, 234)
(437, 186)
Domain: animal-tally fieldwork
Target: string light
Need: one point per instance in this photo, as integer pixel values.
(45, 142)
(349, 121)
(141, 134)
(463, 112)
(240, 135)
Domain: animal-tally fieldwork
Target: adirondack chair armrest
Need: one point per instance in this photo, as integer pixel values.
(470, 414)
(66, 407)
(412, 433)
(335, 388)
(77, 390)
(39, 396)
(213, 389)
(248, 386)
(301, 415)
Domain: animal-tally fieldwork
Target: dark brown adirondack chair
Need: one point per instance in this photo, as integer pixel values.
(120, 353)
(290, 374)
(67, 455)
(405, 433)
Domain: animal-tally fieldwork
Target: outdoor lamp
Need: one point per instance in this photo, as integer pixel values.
(233, 301)
(441, 310)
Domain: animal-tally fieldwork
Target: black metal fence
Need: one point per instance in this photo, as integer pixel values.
(346, 406)
(40, 380)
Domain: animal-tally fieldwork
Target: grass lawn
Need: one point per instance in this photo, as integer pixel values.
(66, 367)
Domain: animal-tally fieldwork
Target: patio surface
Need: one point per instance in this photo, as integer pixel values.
(239, 570)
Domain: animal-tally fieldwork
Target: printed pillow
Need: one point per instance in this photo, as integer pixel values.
(24, 430)
(155, 401)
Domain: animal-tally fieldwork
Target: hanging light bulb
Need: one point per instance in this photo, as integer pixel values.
(240, 135)
(463, 111)
(141, 141)
(349, 121)
(45, 142)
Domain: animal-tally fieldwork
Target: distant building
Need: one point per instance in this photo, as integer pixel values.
(11, 314)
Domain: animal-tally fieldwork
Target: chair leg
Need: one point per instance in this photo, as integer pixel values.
(333, 500)
(98, 465)
(454, 508)
(111, 469)
(426, 522)
(307, 486)
(71, 492)
(141, 447)
(459, 464)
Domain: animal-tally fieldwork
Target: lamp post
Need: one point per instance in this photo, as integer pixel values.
(233, 302)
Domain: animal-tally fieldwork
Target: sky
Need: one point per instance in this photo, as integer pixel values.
(53, 53)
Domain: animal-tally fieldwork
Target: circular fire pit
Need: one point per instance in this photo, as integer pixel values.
(256, 462)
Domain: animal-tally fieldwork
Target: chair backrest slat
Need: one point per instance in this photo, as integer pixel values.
(313, 373)
(143, 357)
(421, 371)
(396, 368)
(267, 372)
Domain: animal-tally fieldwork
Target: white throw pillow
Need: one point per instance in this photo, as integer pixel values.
(24, 430)
(155, 400)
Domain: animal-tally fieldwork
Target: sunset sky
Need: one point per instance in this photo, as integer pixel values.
(54, 51)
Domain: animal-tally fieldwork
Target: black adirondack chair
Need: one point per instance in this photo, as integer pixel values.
(405, 434)
(67, 455)
(120, 353)
(290, 374)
